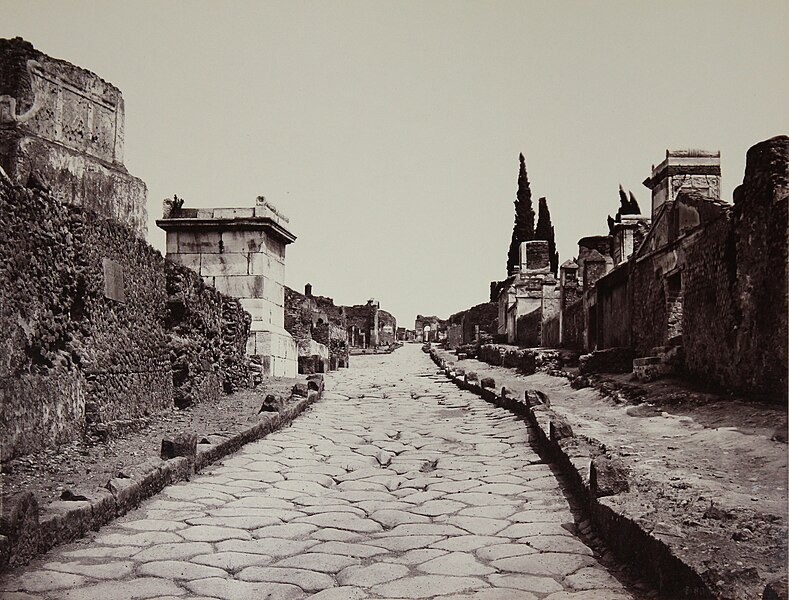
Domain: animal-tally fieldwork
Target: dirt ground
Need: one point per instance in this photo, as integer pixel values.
(86, 466)
(708, 472)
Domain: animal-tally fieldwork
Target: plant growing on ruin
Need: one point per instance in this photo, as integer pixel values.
(523, 230)
(544, 231)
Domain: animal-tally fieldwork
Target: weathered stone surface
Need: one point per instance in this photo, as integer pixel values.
(179, 569)
(425, 586)
(371, 575)
(228, 589)
(309, 581)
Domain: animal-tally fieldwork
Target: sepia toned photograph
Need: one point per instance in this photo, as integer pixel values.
(367, 300)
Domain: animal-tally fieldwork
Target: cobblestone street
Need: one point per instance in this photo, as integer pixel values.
(395, 485)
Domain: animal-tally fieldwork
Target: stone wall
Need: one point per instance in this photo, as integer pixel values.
(734, 284)
(83, 309)
(319, 328)
(573, 326)
(62, 128)
(480, 320)
(207, 338)
(530, 329)
(551, 332)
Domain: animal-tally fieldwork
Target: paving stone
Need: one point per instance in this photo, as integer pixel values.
(213, 533)
(153, 525)
(329, 534)
(523, 530)
(425, 529)
(109, 570)
(455, 563)
(132, 589)
(490, 512)
(590, 595)
(504, 551)
(288, 530)
(229, 589)
(559, 543)
(529, 583)
(179, 569)
(402, 543)
(492, 594)
(478, 525)
(232, 561)
(98, 551)
(42, 581)
(146, 538)
(414, 557)
(434, 508)
(425, 586)
(371, 574)
(467, 543)
(342, 520)
(550, 564)
(245, 522)
(309, 581)
(391, 518)
(319, 561)
(348, 549)
(178, 550)
(592, 578)
(272, 547)
(341, 593)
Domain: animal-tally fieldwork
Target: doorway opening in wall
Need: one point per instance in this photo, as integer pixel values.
(426, 333)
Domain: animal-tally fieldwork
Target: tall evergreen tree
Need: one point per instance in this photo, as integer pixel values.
(544, 231)
(523, 230)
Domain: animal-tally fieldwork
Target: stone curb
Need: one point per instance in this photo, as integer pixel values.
(577, 456)
(25, 535)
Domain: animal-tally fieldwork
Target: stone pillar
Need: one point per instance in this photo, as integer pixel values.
(241, 252)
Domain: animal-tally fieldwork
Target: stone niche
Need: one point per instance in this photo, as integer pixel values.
(241, 252)
(62, 129)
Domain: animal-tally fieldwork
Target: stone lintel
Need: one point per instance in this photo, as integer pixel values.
(267, 224)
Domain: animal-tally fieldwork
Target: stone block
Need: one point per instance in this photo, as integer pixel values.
(241, 286)
(559, 428)
(202, 242)
(233, 213)
(608, 476)
(251, 242)
(19, 523)
(190, 261)
(222, 265)
(181, 444)
(271, 266)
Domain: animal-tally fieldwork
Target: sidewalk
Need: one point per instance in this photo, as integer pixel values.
(704, 475)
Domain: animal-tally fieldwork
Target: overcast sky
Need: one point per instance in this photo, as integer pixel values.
(389, 132)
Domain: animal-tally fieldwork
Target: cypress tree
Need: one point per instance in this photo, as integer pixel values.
(523, 230)
(544, 231)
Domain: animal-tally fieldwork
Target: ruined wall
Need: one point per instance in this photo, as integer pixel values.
(387, 328)
(479, 320)
(207, 337)
(529, 329)
(735, 307)
(62, 127)
(573, 325)
(550, 332)
(84, 312)
(319, 327)
(613, 309)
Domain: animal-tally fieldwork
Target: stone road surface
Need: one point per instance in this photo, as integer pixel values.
(395, 485)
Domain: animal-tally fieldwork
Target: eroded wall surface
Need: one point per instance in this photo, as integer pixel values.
(62, 129)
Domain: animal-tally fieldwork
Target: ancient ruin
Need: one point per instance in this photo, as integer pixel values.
(240, 252)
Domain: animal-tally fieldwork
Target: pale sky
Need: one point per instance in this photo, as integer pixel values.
(389, 132)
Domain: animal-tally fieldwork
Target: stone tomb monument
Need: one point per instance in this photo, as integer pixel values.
(241, 252)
